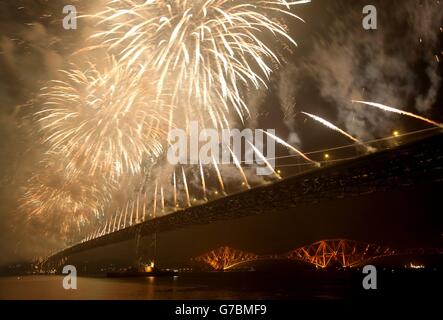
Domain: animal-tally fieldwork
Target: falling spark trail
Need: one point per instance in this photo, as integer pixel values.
(284, 143)
(144, 207)
(138, 205)
(162, 198)
(114, 226)
(120, 219)
(175, 190)
(126, 215)
(104, 229)
(154, 206)
(203, 180)
(186, 188)
(132, 213)
(398, 111)
(109, 226)
(263, 158)
(333, 127)
(220, 180)
(238, 165)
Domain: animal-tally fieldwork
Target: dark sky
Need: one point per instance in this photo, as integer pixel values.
(336, 61)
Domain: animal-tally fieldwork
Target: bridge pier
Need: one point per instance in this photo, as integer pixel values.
(145, 248)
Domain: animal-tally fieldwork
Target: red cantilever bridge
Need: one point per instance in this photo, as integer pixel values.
(419, 163)
(321, 254)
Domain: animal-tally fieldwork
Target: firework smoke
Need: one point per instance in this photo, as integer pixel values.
(345, 62)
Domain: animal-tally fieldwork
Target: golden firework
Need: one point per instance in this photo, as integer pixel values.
(205, 51)
(103, 122)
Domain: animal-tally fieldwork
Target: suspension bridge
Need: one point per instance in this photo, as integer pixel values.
(418, 163)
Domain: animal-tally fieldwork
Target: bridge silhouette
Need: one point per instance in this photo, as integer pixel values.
(321, 254)
(416, 163)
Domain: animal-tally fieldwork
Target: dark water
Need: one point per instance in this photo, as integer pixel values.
(189, 286)
(240, 285)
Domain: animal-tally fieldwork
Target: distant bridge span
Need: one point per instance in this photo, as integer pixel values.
(321, 254)
(416, 163)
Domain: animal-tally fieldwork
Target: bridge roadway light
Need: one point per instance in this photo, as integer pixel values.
(326, 156)
(396, 133)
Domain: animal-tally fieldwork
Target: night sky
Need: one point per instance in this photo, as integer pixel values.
(336, 61)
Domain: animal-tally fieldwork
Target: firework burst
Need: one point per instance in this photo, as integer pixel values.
(52, 194)
(204, 51)
(103, 122)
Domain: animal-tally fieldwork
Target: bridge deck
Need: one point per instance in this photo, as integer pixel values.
(419, 162)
